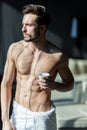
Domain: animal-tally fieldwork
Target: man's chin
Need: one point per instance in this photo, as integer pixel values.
(27, 40)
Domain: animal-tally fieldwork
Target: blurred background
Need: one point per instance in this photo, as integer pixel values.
(68, 31)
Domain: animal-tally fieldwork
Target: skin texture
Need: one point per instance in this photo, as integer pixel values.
(27, 58)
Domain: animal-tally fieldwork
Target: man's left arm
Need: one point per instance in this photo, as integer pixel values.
(66, 76)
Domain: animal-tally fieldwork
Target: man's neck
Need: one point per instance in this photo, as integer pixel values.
(40, 44)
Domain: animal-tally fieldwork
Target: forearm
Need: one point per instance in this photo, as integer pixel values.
(5, 102)
(63, 87)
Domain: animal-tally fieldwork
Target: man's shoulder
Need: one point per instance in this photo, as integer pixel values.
(14, 44)
(58, 52)
(54, 48)
(15, 48)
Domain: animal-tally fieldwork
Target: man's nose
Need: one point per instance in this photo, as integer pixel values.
(24, 29)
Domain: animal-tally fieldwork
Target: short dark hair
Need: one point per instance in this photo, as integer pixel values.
(39, 10)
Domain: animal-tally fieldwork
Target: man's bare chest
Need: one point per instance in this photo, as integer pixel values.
(34, 62)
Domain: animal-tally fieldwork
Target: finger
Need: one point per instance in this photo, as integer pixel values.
(43, 84)
(43, 80)
(43, 87)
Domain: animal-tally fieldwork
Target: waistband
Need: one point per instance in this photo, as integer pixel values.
(17, 106)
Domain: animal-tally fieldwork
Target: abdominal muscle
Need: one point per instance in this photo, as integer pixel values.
(29, 94)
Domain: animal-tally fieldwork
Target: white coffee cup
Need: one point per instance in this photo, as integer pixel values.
(43, 75)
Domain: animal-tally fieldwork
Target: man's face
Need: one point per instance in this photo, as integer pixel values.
(30, 27)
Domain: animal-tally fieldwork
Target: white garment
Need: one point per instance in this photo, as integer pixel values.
(24, 119)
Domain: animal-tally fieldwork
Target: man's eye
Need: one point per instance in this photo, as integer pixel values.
(29, 25)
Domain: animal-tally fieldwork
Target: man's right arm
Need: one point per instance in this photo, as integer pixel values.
(6, 87)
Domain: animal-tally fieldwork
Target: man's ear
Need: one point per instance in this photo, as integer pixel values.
(43, 28)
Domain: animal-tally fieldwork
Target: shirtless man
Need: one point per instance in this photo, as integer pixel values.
(32, 105)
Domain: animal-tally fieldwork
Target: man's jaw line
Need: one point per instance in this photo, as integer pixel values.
(32, 39)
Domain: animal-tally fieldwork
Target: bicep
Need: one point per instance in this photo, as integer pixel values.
(9, 70)
(65, 72)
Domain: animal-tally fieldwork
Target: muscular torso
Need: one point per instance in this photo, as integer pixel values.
(29, 63)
